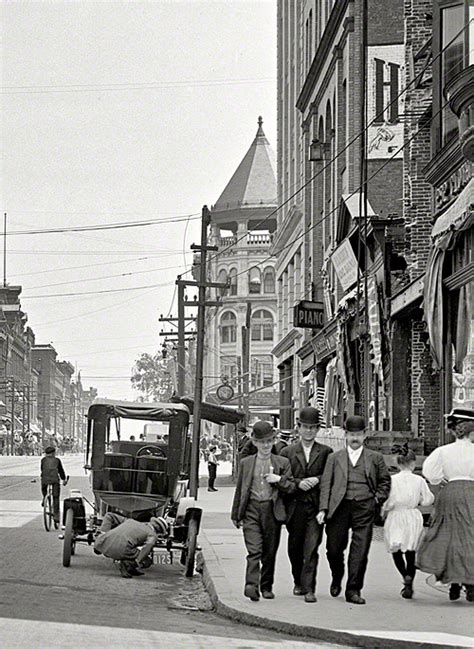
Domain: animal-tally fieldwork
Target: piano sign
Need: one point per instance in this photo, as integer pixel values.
(308, 315)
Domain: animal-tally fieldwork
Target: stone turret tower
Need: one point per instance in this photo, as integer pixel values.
(242, 224)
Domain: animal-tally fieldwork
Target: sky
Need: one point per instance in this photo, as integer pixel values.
(119, 112)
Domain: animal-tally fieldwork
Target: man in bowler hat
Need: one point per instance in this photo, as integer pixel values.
(308, 459)
(259, 509)
(355, 483)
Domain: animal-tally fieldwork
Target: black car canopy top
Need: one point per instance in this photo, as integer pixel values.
(136, 410)
(212, 412)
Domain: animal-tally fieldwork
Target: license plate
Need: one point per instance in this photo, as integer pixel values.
(162, 558)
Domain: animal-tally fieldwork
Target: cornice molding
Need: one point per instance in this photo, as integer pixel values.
(286, 342)
(444, 163)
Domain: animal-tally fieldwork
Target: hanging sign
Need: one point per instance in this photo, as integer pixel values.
(308, 315)
(345, 264)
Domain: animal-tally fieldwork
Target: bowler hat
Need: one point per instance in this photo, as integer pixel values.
(49, 449)
(309, 415)
(262, 430)
(460, 414)
(354, 424)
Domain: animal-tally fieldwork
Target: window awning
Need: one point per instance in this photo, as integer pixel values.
(354, 202)
(456, 216)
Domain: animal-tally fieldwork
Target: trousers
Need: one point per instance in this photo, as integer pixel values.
(262, 538)
(56, 492)
(304, 538)
(212, 471)
(358, 516)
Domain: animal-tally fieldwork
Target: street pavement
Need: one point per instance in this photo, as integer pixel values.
(43, 604)
(429, 618)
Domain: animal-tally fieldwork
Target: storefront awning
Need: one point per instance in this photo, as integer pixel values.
(354, 202)
(455, 217)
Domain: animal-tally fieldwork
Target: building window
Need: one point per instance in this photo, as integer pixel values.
(452, 60)
(269, 281)
(229, 370)
(222, 278)
(228, 327)
(262, 371)
(233, 281)
(262, 325)
(255, 281)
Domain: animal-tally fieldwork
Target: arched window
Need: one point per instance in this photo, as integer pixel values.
(233, 281)
(255, 281)
(262, 325)
(269, 281)
(228, 327)
(222, 278)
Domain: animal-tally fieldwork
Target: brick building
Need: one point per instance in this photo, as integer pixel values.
(334, 234)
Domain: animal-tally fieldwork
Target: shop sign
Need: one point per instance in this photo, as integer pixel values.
(324, 345)
(308, 315)
(447, 191)
(345, 264)
(374, 324)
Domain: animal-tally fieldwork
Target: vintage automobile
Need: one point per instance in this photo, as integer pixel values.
(140, 479)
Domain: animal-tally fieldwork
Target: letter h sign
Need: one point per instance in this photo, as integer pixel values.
(381, 105)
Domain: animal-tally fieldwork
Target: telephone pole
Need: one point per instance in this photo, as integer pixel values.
(201, 303)
(246, 361)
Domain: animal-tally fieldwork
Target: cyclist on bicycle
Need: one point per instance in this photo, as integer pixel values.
(51, 472)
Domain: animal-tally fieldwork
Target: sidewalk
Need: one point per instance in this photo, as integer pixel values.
(387, 620)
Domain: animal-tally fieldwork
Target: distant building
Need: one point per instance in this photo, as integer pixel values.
(242, 226)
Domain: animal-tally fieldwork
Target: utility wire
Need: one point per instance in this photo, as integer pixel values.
(330, 162)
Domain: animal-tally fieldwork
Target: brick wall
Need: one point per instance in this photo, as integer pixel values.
(386, 189)
(425, 388)
(385, 22)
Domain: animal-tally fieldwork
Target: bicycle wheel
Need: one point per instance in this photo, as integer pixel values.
(48, 512)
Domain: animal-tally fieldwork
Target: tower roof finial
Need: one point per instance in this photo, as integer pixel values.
(260, 129)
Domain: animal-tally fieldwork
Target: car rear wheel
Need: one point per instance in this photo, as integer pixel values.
(191, 542)
(68, 543)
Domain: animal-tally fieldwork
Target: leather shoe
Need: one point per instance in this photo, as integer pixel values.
(469, 592)
(124, 570)
(268, 594)
(354, 598)
(454, 592)
(252, 593)
(407, 590)
(335, 589)
(297, 590)
(310, 597)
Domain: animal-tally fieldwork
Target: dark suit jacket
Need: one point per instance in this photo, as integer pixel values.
(281, 466)
(300, 470)
(334, 480)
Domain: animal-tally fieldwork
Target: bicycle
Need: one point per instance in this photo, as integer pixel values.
(48, 508)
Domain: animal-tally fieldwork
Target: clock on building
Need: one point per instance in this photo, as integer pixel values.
(225, 392)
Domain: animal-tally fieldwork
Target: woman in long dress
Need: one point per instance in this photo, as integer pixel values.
(447, 550)
(404, 523)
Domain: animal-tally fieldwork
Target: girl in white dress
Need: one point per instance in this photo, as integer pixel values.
(404, 523)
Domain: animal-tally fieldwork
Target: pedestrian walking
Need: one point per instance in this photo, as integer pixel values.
(307, 459)
(259, 509)
(52, 472)
(447, 549)
(212, 463)
(355, 483)
(404, 523)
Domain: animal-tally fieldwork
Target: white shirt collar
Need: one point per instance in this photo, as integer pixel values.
(354, 455)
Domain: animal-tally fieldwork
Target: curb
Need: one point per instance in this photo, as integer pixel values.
(217, 587)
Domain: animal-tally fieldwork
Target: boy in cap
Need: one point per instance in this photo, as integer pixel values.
(259, 509)
(51, 472)
(355, 483)
(308, 459)
(119, 539)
